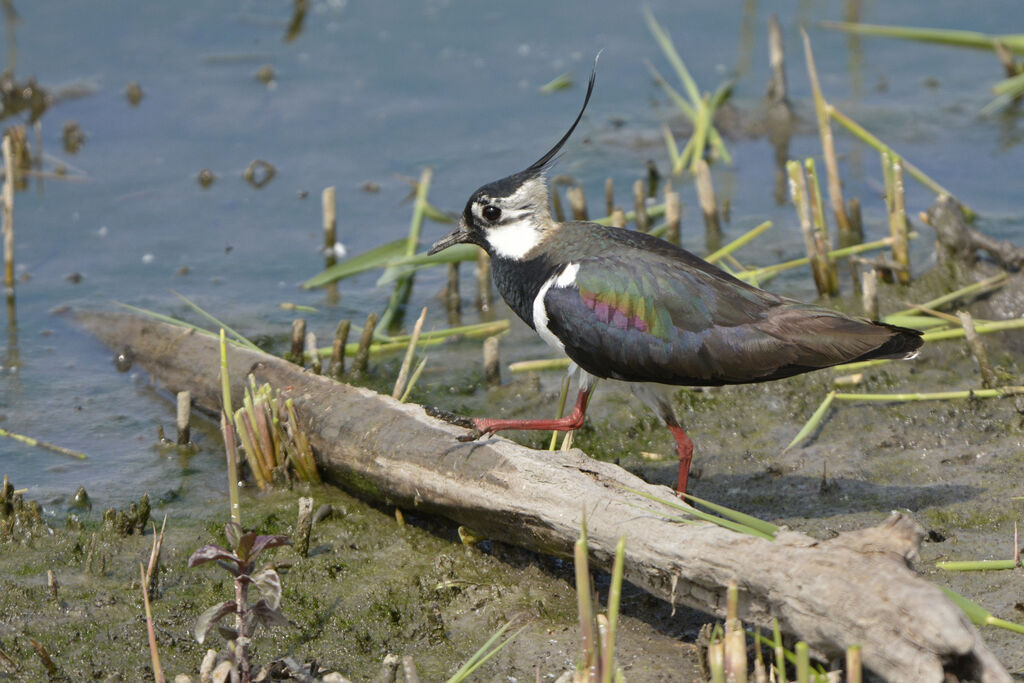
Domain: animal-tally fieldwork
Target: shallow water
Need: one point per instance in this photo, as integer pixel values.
(368, 93)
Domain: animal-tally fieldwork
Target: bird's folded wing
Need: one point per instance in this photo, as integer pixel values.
(659, 322)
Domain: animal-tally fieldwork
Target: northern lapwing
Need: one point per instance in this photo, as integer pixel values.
(627, 306)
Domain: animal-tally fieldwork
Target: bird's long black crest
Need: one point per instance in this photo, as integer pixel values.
(541, 163)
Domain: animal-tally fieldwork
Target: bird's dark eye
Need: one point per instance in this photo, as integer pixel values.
(491, 212)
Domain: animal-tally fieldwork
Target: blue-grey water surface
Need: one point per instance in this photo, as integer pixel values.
(374, 91)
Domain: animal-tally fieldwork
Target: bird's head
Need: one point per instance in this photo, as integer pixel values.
(509, 217)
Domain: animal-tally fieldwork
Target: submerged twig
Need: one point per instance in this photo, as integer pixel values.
(42, 444)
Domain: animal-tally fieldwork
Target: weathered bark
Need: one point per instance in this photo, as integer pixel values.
(854, 589)
(957, 241)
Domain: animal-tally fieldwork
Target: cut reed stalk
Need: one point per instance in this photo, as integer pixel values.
(822, 243)
(297, 354)
(413, 379)
(656, 211)
(578, 202)
(777, 60)
(492, 362)
(7, 210)
(866, 137)
(854, 667)
(828, 149)
(673, 217)
(182, 416)
(452, 299)
(362, 358)
(708, 206)
(484, 298)
(337, 367)
(315, 365)
(898, 223)
(231, 452)
(618, 218)
(802, 201)
(869, 292)
(154, 654)
(556, 203)
(328, 202)
(988, 375)
(303, 526)
(643, 223)
(609, 196)
(403, 373)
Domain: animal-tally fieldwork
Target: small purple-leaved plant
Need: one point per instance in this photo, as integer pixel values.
(240, 562)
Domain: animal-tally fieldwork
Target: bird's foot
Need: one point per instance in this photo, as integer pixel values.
(473, 424)
(449, 417)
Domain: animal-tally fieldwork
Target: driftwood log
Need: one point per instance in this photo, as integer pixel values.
(958, 242)
(857, 588)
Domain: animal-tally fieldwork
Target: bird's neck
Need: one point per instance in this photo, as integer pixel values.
(519, 281)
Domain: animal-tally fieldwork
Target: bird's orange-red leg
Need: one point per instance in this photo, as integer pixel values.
(572, 421)
(684, 447)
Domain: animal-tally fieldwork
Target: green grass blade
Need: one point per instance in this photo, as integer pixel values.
(951, 37)
(982, 287)
(673, 149)
(403, 286)
(486, 651)
(741, 241)
(665, 43)
(812, 423)
(869, 139)
(405, 265)
(934, 395)
(614, 598)
(688, 110)
(238, 338)
(701, 515)
(737, 516)
(557, 83)
(975, 565)
(1011, 87)
(413, 379)
(377, 257)
(978, 615)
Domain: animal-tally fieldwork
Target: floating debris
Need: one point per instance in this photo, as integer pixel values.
(259, 173)
(133, 93)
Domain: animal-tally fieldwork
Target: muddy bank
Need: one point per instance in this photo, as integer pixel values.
(369, 587)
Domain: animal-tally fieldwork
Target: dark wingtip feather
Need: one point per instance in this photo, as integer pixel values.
(904, 343)
(539, 165)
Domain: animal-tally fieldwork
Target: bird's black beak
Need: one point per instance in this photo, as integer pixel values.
(456, 236)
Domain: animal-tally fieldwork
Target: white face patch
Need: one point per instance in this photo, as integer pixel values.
(514, 239)
(540, 315)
